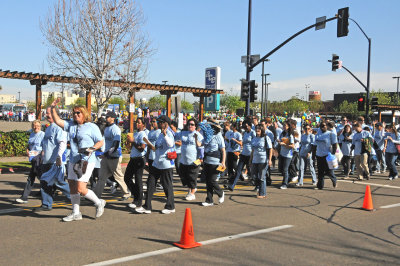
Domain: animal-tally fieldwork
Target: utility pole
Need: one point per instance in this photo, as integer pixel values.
(307, 87)
(248, 62)
(19, 97)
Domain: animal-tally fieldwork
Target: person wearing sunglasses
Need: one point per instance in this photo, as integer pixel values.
(85, 139)
(306, 142)
(190, 139)
(325, 143)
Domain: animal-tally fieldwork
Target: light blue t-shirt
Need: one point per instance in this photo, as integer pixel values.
(270, 135)
(216, 143)
(346, 145)
(306, 143)
(189, 148)
(152, 137)
(176, 138)
(233, 145)
(390, 147)
(35, 141)
(161, 160)
(139, 136)
(247, 138)
(111, 134)
(357, 140)
(285, 151)
(260, 149)
(324, 141)
(51, 142)
(82, 136)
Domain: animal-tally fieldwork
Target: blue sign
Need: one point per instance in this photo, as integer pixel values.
(213, 78)
(211, 103)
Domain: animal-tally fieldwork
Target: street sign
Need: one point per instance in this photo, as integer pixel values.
(253, 58)
(321, 22)
(213, 78)
(212, 103)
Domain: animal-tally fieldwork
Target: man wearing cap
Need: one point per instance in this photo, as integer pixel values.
(111, 163)
(379, 144)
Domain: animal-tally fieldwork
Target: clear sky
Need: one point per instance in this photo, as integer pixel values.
(191, 35)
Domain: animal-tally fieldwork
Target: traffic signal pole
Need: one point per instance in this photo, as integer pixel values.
(248, 62)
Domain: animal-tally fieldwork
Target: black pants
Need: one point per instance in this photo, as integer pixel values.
(323, 170)
(35, 172)
(135, 169)
(211, 173)
(294, 165)
(166, 178)
(346, 161)
(189, 175)
(231, 161)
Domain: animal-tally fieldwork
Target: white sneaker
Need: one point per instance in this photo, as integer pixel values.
(283, 187)
(294, 179)
(100, 208)
(166, 211)
(142, 210)
(132, 205)
(21, 201)
(190, 197)
(73, 217)
(113, 188)
(222, 198)
(245, 177)
(299, 185)
(206, 204)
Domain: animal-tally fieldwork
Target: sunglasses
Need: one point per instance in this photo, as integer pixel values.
(190, 124)
(154, 121)
(77, 113)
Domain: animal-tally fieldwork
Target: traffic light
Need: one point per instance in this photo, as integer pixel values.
(335, 62)
(361, 103)
(374, 103)
(343, 22)
(244, 91)
(253, 91)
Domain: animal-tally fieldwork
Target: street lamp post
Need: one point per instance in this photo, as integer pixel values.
(266, 96)
(19, 97)
(307, 87)
(397, 94)
(263, 81)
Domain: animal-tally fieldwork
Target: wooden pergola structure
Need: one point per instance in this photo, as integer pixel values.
(38, 80)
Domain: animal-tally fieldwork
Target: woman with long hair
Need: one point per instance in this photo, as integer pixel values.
(85, 138)
(346, 138)
(390, 150)
(305, 154)
(286, 142)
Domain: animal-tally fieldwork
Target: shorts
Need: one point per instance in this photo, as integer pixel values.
(85, 178)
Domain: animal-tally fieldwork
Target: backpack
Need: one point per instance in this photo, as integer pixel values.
(366, 145)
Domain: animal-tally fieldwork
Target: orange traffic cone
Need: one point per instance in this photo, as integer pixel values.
(368, 200)
(187, 236)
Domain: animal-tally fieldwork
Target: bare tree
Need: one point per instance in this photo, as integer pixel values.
(97, 39)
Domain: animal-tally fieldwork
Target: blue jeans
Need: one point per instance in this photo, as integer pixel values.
(304, 162)
(48, 192)
(243, 160)
(390, 161)
(284, 164)
(259, 171)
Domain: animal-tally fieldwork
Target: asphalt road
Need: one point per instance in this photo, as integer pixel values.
(323, 228)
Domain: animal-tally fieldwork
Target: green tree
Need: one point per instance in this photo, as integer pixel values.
(315, 106)
(350, 109)
(157, 102)
(49, 101)
(80, 101)
(231, 102)
(186, 106)
(117, 100)
(383, 98)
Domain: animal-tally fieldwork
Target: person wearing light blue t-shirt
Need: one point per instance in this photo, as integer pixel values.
(392, 137)
(261, 159)
(163, 167)
(34, 154)
(325, 143)
(189, 165)
(178, 144)
(244, 159)
(306, 142)
(379, 139)
(360, 154)
(54, 144)
(136, 163)
(233, 150)
(345, 139)
(85, 138)
(214, 157)
(110, 164)
(286, 142)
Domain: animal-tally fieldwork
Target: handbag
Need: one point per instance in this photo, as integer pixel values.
(172, 155)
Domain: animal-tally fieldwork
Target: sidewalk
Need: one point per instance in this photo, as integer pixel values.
(14, 159)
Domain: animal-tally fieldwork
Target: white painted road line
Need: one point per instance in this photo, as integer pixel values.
(390, 206)
(174, 249)
(366, 183)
